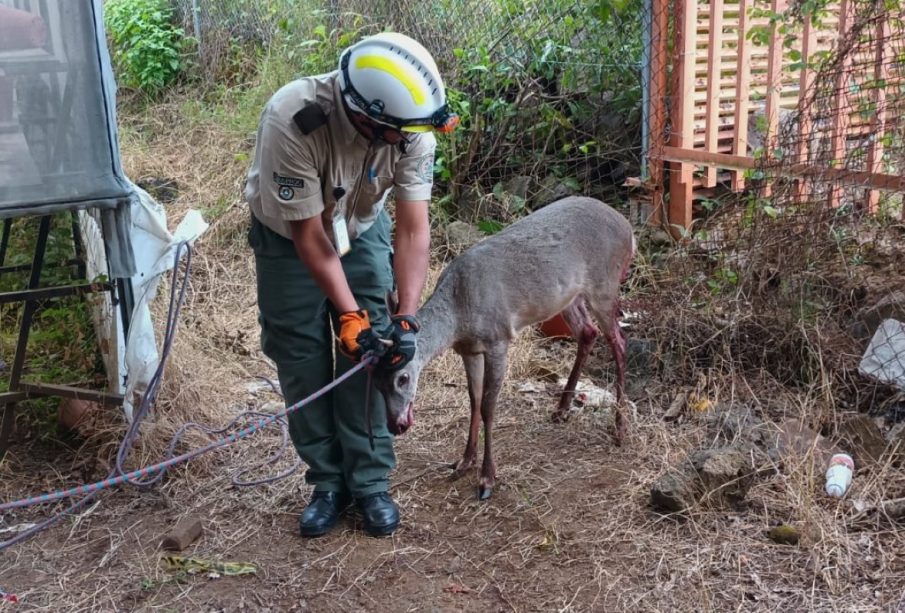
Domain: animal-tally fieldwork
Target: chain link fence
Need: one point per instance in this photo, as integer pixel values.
(776, 154)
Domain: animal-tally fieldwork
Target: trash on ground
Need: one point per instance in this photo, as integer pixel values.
(676, 407)
(17, 528)
(839, 475)
(199, 565)
(531, 387)
(784, 535)
(590, 396)
(182, 534)
(884, 359)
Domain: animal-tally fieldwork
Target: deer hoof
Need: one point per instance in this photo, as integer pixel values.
(461, 468)
(559, 417)
(485, 492)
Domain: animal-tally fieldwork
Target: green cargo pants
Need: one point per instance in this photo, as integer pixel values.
(330, 434)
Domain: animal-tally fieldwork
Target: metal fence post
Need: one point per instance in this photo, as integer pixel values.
(196, 22)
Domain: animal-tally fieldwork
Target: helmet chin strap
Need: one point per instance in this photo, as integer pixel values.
(378, 130)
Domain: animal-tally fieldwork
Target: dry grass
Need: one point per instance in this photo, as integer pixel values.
(568, 528)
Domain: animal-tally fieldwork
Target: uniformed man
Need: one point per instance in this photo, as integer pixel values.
(329, 150)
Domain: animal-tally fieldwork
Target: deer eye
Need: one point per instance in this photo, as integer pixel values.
(403, 381)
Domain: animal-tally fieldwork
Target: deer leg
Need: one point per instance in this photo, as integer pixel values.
(474, 372)
(585, 332)
(614, 338)
(494, 373)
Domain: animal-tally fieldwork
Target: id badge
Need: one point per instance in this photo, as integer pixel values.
(341, 235)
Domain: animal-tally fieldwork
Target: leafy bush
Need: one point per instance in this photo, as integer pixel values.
(146, 45)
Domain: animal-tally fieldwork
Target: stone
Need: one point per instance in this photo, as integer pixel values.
(518, 186)
(864, 439)
(739, 423)
(469, 204)
(673, 492)
(461, 235)
(793, 437)
(640, 354)
(719, 476)
(725, 473)
(868, 319)
(660, 238)
(551, 189)
(182, 534)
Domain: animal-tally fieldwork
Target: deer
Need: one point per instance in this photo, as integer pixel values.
(569, 257)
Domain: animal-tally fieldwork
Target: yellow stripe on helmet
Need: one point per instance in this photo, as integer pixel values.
(378, 62)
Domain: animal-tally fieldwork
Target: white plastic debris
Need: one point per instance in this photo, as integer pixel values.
(590, 396)
(839, 475)
(155, 248)
(884, 359)
(530, 387)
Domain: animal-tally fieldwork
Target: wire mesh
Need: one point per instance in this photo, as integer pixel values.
(549, 90)
(776, 158)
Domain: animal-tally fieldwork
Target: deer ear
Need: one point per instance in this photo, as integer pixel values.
(392, 302)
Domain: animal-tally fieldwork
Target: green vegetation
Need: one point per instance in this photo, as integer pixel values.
(62, 346)
(147, 47)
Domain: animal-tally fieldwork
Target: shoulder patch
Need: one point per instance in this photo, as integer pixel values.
(310, 118)
(426, 167)
(288, 181)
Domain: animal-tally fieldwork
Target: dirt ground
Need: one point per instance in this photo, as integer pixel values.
(569, 527)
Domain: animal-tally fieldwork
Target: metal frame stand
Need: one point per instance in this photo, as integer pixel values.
(32, 296)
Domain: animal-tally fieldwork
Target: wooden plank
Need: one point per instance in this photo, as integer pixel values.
(679, 215)
(881, 181)
(713, 92)
(658, 101)
(878, 121)
(802, 148)
(837, 140)
(743, 77)
(774, 86)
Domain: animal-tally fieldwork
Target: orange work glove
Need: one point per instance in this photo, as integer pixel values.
(356, 337)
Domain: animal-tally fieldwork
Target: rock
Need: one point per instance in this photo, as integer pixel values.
(73, 413)
(863, 438)
(660, 238)
(716, 476)
(460, 236)
(895, 441)
(794, 438)
(867, 320)
(674, 492)
(550, 190)
(518, 186)
(784, 535)
(740, 423)
(182, 534)
(640, 354)
(725, 472)
(469, 204)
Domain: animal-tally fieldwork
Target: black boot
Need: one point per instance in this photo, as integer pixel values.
(322, 512)
(381, 515)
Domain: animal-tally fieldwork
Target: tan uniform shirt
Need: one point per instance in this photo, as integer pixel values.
(310, 160)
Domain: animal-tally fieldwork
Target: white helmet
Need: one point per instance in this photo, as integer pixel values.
(394, 80)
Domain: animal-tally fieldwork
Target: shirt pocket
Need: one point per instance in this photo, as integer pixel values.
(370, 194)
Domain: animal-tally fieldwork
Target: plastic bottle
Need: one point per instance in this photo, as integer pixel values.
(839, 474)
